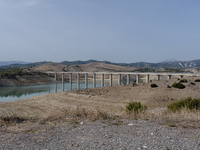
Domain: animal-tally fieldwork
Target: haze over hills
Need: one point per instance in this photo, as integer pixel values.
(166, 64)
(2, 63)
(22, 65)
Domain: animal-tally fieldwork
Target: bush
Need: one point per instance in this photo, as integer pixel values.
(183, 80)
(178, 85)
(197, 80)
(134, 84)
(188, 103)
(168, 86)
(135, 107)
(192, 83)
(154, 85)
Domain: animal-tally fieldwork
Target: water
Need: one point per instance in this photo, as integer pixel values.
(14, 93)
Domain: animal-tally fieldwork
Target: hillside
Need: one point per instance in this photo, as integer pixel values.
(21, 65)
(99, 67)
(175, 64)
(49, 67)
(91, 67)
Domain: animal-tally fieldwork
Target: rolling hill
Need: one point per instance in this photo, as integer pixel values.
(174, 64)
(90, 67)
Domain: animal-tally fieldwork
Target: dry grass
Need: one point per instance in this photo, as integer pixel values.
(68, 115)
(74, 115)
(102, 103)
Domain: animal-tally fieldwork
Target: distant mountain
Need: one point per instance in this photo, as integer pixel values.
(173, 64)
(3, 63)
(18, 65)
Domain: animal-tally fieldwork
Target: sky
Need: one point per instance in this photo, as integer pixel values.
(114, 30)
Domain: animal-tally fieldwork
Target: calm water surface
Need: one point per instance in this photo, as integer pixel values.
(14, 93)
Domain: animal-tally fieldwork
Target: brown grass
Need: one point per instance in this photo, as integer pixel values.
(101, 104)
(185, 118)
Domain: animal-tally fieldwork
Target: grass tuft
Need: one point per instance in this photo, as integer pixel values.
(168, 86)
(154, 85)
(197, 80)
(183, 80)
(135, 107)
(188, 103)
(178, 85)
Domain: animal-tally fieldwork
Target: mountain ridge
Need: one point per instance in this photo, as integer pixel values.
(174, 64)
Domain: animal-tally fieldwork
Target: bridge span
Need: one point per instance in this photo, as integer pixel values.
(119, 74)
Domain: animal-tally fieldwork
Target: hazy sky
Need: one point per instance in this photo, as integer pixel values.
(113, 30)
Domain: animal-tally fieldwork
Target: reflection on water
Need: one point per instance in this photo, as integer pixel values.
(14, 93)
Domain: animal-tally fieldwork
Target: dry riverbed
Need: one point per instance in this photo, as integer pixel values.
(96, 119)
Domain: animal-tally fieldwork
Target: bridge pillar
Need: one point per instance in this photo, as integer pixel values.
(62, 78)
(147, 78)
(70, 81)
(137, 78)
(158, 77)
(78, 81)
(119, 79)
(63, 87)
(102, 80)
(94, 80)
(55, 88)
(110, 79)
(63, 82)
(55, 76)
(128, 79)
(86, 80)
(169, 77)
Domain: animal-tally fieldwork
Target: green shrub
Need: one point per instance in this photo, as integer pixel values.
(154, 85)
(135, 107)
(178, 85)
(188, 103)
(168, 86)
(197, 80)
(183, 80)
(134, 84)
(192, 83)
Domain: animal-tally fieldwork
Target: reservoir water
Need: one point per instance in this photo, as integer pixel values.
(14, 93)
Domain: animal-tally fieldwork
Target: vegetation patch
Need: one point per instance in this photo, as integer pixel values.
(13, 119)
(183, 80)
(197, 80)
(168, 86)
(178, 85)
(188, 103)
(135, 107)
(134, 84)
(192, 83)
(154, 85)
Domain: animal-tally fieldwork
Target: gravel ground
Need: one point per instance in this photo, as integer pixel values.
(134, 134)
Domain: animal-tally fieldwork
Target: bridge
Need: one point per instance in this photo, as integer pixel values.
(119, 74)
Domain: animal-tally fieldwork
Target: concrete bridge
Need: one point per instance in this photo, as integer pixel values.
(119, 74)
